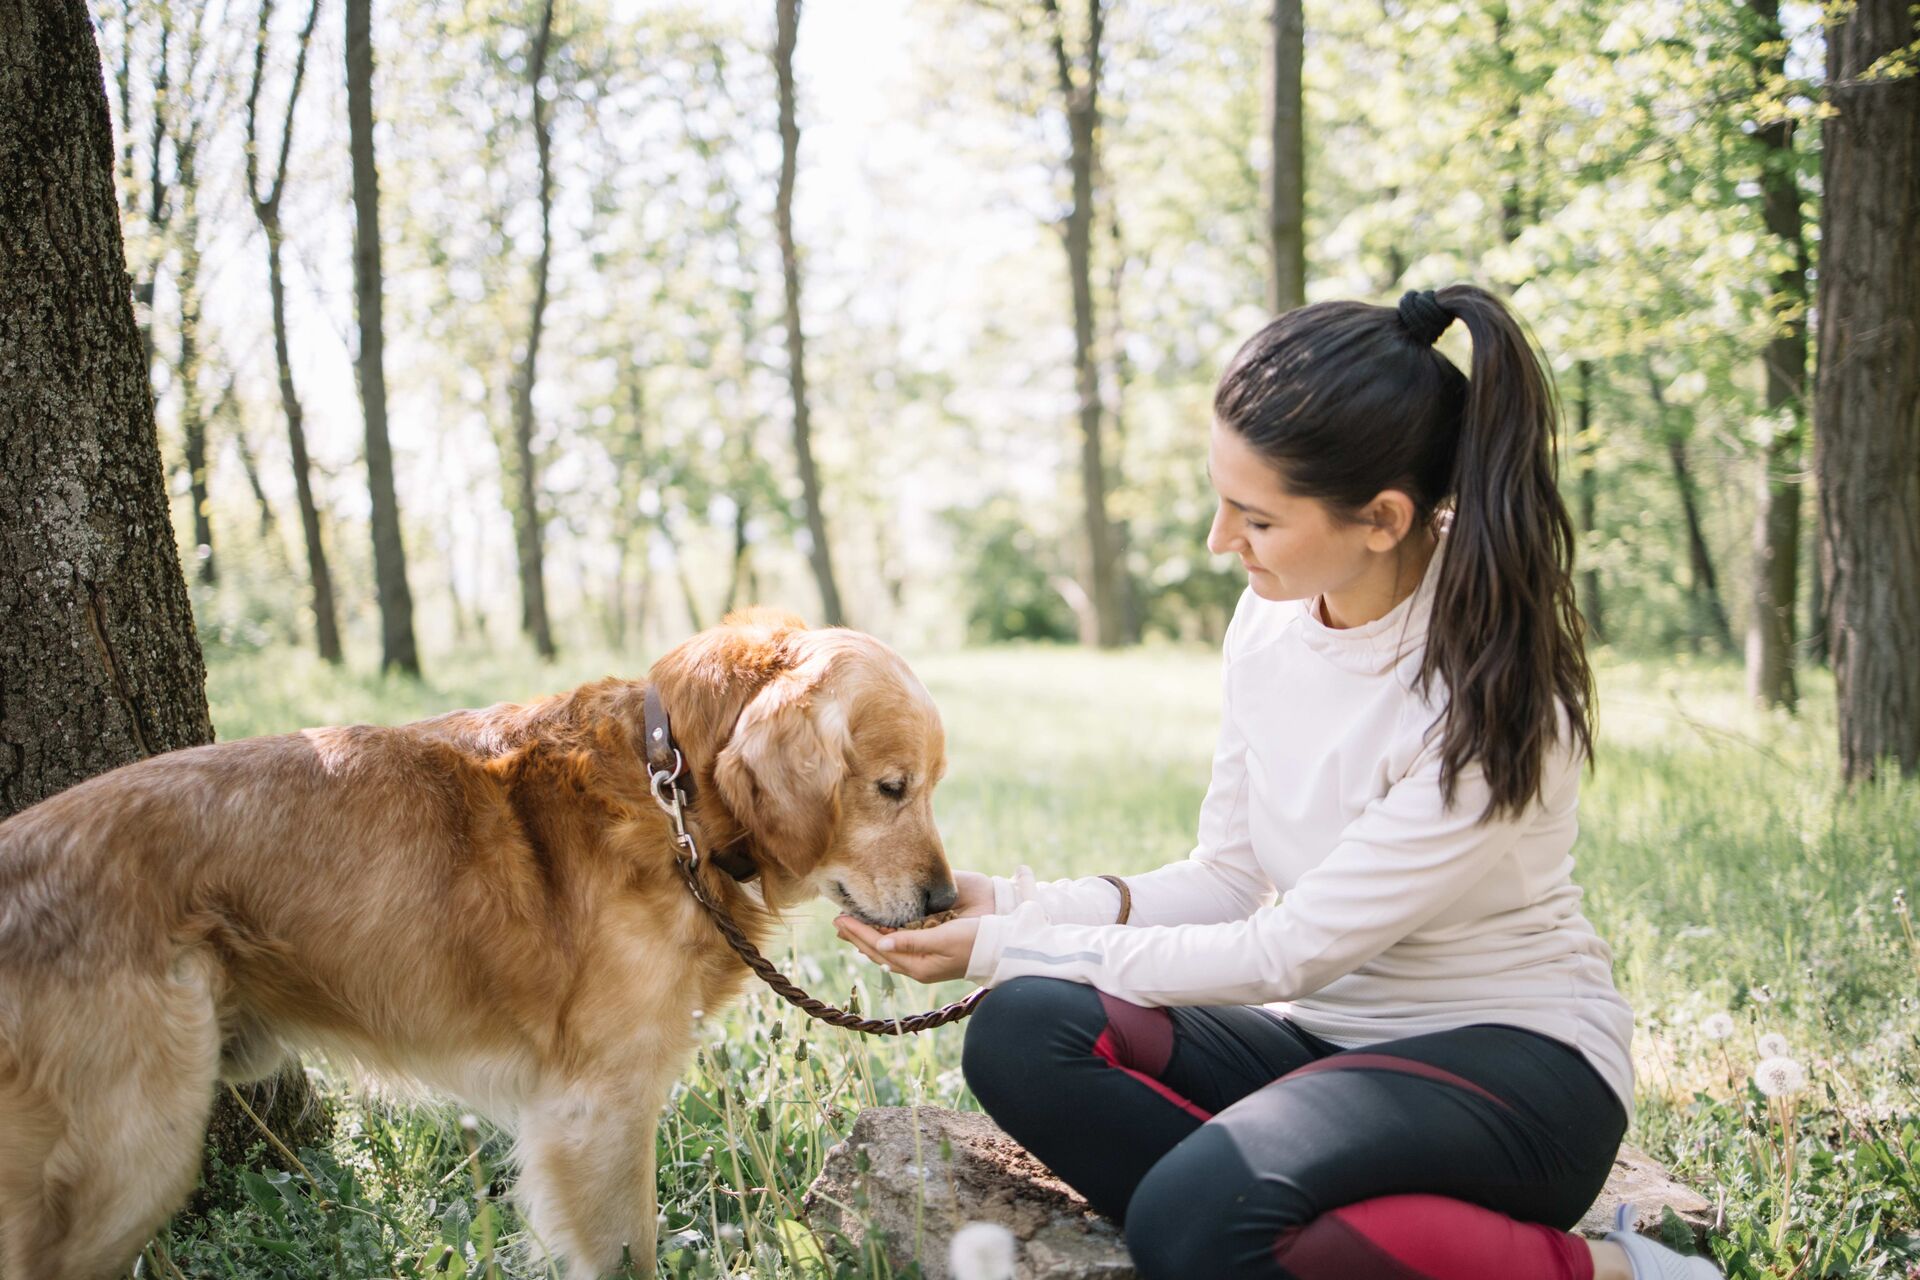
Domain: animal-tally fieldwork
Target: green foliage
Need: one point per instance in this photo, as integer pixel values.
(1011, 595)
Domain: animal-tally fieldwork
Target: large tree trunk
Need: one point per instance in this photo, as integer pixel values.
(99, 666)
(786, 37)
(98, 661)
(1776, 522)
(389, 553)
(1867, 406)
(1102, 622)
(266, 207)
(1287, 171)
(1703, 585)
(526, 513)
(1586, 446)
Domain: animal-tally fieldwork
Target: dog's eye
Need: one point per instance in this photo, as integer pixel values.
(893, 788)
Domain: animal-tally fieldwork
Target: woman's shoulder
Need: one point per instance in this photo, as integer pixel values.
(1257, 623)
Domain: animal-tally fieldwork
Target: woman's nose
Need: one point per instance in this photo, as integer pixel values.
(1219, 539)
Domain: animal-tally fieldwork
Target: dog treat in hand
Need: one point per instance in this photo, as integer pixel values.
(938, 917)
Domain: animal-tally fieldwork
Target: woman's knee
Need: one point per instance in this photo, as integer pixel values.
(1201, 1211)
(1021, 1025)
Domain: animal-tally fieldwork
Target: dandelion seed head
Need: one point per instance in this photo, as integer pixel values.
(1717, 1026)
(1761, 994)
(470, 1122)
(1774, 1045)
(1777, 1077)
(981, 1251)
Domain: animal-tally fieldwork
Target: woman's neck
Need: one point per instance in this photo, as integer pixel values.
(1391, 578)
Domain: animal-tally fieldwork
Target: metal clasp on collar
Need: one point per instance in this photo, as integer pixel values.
(672, 802)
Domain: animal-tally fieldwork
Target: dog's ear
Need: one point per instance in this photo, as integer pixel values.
(781, 769)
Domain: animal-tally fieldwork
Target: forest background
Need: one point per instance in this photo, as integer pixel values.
(488, 348)
(1609, 167)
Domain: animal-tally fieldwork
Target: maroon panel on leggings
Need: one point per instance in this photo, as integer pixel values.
(1425, 1237)
(1139, 1041)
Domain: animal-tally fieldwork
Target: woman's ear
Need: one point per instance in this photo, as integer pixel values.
(1390, 519)
(781, 770)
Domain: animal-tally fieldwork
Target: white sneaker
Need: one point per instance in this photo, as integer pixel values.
(1652, 1260)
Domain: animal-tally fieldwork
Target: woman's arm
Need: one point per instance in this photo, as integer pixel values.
(1402, 862)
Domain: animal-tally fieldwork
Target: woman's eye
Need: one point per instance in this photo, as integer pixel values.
(893, 788)
(1257, 527)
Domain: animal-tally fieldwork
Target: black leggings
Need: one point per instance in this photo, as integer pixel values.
(1233, 1143)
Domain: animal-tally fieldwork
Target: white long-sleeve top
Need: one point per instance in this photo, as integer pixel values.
(1397, 915)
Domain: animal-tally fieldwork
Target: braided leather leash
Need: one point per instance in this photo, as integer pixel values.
(793, 995)
(667, 793)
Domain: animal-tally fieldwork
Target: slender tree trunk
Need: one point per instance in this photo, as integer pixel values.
(268, 522)
(99, 665)
(1287, 171)
(527, 540)
(159, 205)
(1867, 407)
(1132, 612)
(326, 626)
(1776, 522)
(1101, 622)
(193, 414)
(1817, 647)
(1710, 615)
(266, 208)
(1585, 449)
(819, 552)
(397, 649)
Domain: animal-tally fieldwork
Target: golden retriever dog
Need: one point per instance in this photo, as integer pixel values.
(485, 903)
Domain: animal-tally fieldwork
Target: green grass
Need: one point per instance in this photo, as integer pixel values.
(1717, 855)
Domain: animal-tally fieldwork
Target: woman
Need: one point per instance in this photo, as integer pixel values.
(1415, 1063)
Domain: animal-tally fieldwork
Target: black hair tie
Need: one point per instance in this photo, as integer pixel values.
(1424, 316)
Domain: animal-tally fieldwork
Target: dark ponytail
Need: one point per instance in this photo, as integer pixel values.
(1346, 400)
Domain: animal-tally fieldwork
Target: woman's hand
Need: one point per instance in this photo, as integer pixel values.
(976, 894)
(938, 954)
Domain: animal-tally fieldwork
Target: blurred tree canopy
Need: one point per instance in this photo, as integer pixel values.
(1643, 179)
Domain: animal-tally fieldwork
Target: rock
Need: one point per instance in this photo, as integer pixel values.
(915, 1192)
(911, 1186)
(1637, 1178)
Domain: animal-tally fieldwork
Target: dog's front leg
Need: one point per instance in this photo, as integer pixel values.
(587, 1172)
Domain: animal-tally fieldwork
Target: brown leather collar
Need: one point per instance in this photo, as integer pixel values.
(663, 756)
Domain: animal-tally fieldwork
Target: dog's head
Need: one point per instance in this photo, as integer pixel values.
(830, 766)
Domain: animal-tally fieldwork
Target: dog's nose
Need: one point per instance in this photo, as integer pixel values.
(939, 897)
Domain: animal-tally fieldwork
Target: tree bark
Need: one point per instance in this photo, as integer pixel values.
(1776, 522)
(788, 12)
(1710, 614)
(1585, 448)
(397, 649)
(99, 665)
(1102, 622)
(98, 661)
(1867, 394)
(533, 578)
(266, 208)
(1287, 171)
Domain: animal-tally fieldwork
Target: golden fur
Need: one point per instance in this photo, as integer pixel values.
(484, 902)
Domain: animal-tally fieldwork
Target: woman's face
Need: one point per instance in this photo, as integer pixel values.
(1292, 547)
